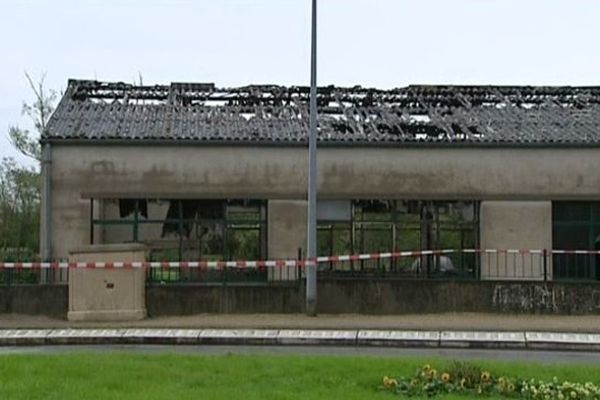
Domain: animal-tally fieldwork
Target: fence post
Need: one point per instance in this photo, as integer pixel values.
(298, 267)
(545, 256)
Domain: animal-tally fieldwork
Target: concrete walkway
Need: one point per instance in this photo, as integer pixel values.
(453, 321)
(432, 331)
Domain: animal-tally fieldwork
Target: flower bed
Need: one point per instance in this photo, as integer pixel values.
(465, 378)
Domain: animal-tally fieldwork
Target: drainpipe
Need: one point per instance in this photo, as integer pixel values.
(46, 204)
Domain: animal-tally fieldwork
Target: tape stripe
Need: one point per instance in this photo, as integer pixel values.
(284, 263)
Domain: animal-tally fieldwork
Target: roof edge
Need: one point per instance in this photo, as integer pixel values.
(326, 144)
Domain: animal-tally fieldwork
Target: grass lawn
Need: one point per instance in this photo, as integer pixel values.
(174, 376)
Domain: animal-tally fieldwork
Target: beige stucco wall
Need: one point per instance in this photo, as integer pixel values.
(79, 172)
(515, 225)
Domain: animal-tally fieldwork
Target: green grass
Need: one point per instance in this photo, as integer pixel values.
(166, 376)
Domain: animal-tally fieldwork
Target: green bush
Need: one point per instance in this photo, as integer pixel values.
(466, 378)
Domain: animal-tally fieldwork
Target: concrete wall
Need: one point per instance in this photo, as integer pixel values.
(515, 225)
(79, 172)
(347, 296)
(49, 300)
(380, 297)
(191, 299)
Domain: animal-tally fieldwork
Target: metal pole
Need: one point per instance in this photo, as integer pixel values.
(311, 253)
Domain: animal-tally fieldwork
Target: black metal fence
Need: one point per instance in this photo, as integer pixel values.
(465, 264)
(34, 276)
(475, 264)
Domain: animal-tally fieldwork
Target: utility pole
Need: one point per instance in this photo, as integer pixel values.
(311, 253)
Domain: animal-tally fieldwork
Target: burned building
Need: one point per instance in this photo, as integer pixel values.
(198, 172)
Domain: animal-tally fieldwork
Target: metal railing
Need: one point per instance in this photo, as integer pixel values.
(470, 264)
(475, 264)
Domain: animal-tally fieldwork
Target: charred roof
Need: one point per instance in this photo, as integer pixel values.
(201, 112)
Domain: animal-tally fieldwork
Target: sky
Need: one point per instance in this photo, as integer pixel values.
(380, 43)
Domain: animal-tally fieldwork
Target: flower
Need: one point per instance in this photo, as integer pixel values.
(426, 384)
(386, 382)
(389, 382)
(485, 376)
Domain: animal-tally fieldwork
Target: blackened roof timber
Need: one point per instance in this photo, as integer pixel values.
(201, 112)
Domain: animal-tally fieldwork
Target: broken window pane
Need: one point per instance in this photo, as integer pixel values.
(190, 229)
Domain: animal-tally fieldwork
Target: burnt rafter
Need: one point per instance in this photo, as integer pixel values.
(269, 113)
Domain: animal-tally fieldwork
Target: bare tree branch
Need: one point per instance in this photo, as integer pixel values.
(39, 111)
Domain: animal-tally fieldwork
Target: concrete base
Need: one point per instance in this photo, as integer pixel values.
(107, 294)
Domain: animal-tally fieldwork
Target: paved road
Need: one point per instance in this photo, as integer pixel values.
(467, 354)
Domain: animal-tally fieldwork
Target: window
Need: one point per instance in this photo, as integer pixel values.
(575, 226)
(377, 226)
(184, 229)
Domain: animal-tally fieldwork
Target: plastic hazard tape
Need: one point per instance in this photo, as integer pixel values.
(221, 264)
(280, 263)
(529, 251)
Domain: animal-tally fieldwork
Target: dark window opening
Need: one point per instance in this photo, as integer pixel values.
(184, 229)
(576, 226)
(376, 226)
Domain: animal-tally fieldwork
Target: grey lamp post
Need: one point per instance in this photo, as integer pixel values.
(311, 253)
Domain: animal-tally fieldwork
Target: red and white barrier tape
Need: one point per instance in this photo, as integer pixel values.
(282, 263)
(502, 251)
(221, 264)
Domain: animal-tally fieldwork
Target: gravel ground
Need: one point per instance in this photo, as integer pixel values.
(450, 321)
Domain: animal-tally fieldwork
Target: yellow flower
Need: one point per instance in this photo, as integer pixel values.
(446, 377)
(501, 380)
(511, 387)
(426, 367)
(414, 382)
(463, 383)
(485, 376)
(386, 381)
(389, 382)
(432, 373)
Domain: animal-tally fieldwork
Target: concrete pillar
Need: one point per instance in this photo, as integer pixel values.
(286, 233)
(46, 204)
(522, 225)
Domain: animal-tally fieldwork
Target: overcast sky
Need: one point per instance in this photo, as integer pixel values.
(384, 43)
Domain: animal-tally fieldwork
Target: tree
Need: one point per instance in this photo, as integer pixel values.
(20, 185)
(19, 210)
(39, 112)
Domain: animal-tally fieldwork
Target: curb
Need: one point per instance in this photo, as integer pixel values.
(381, 338)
